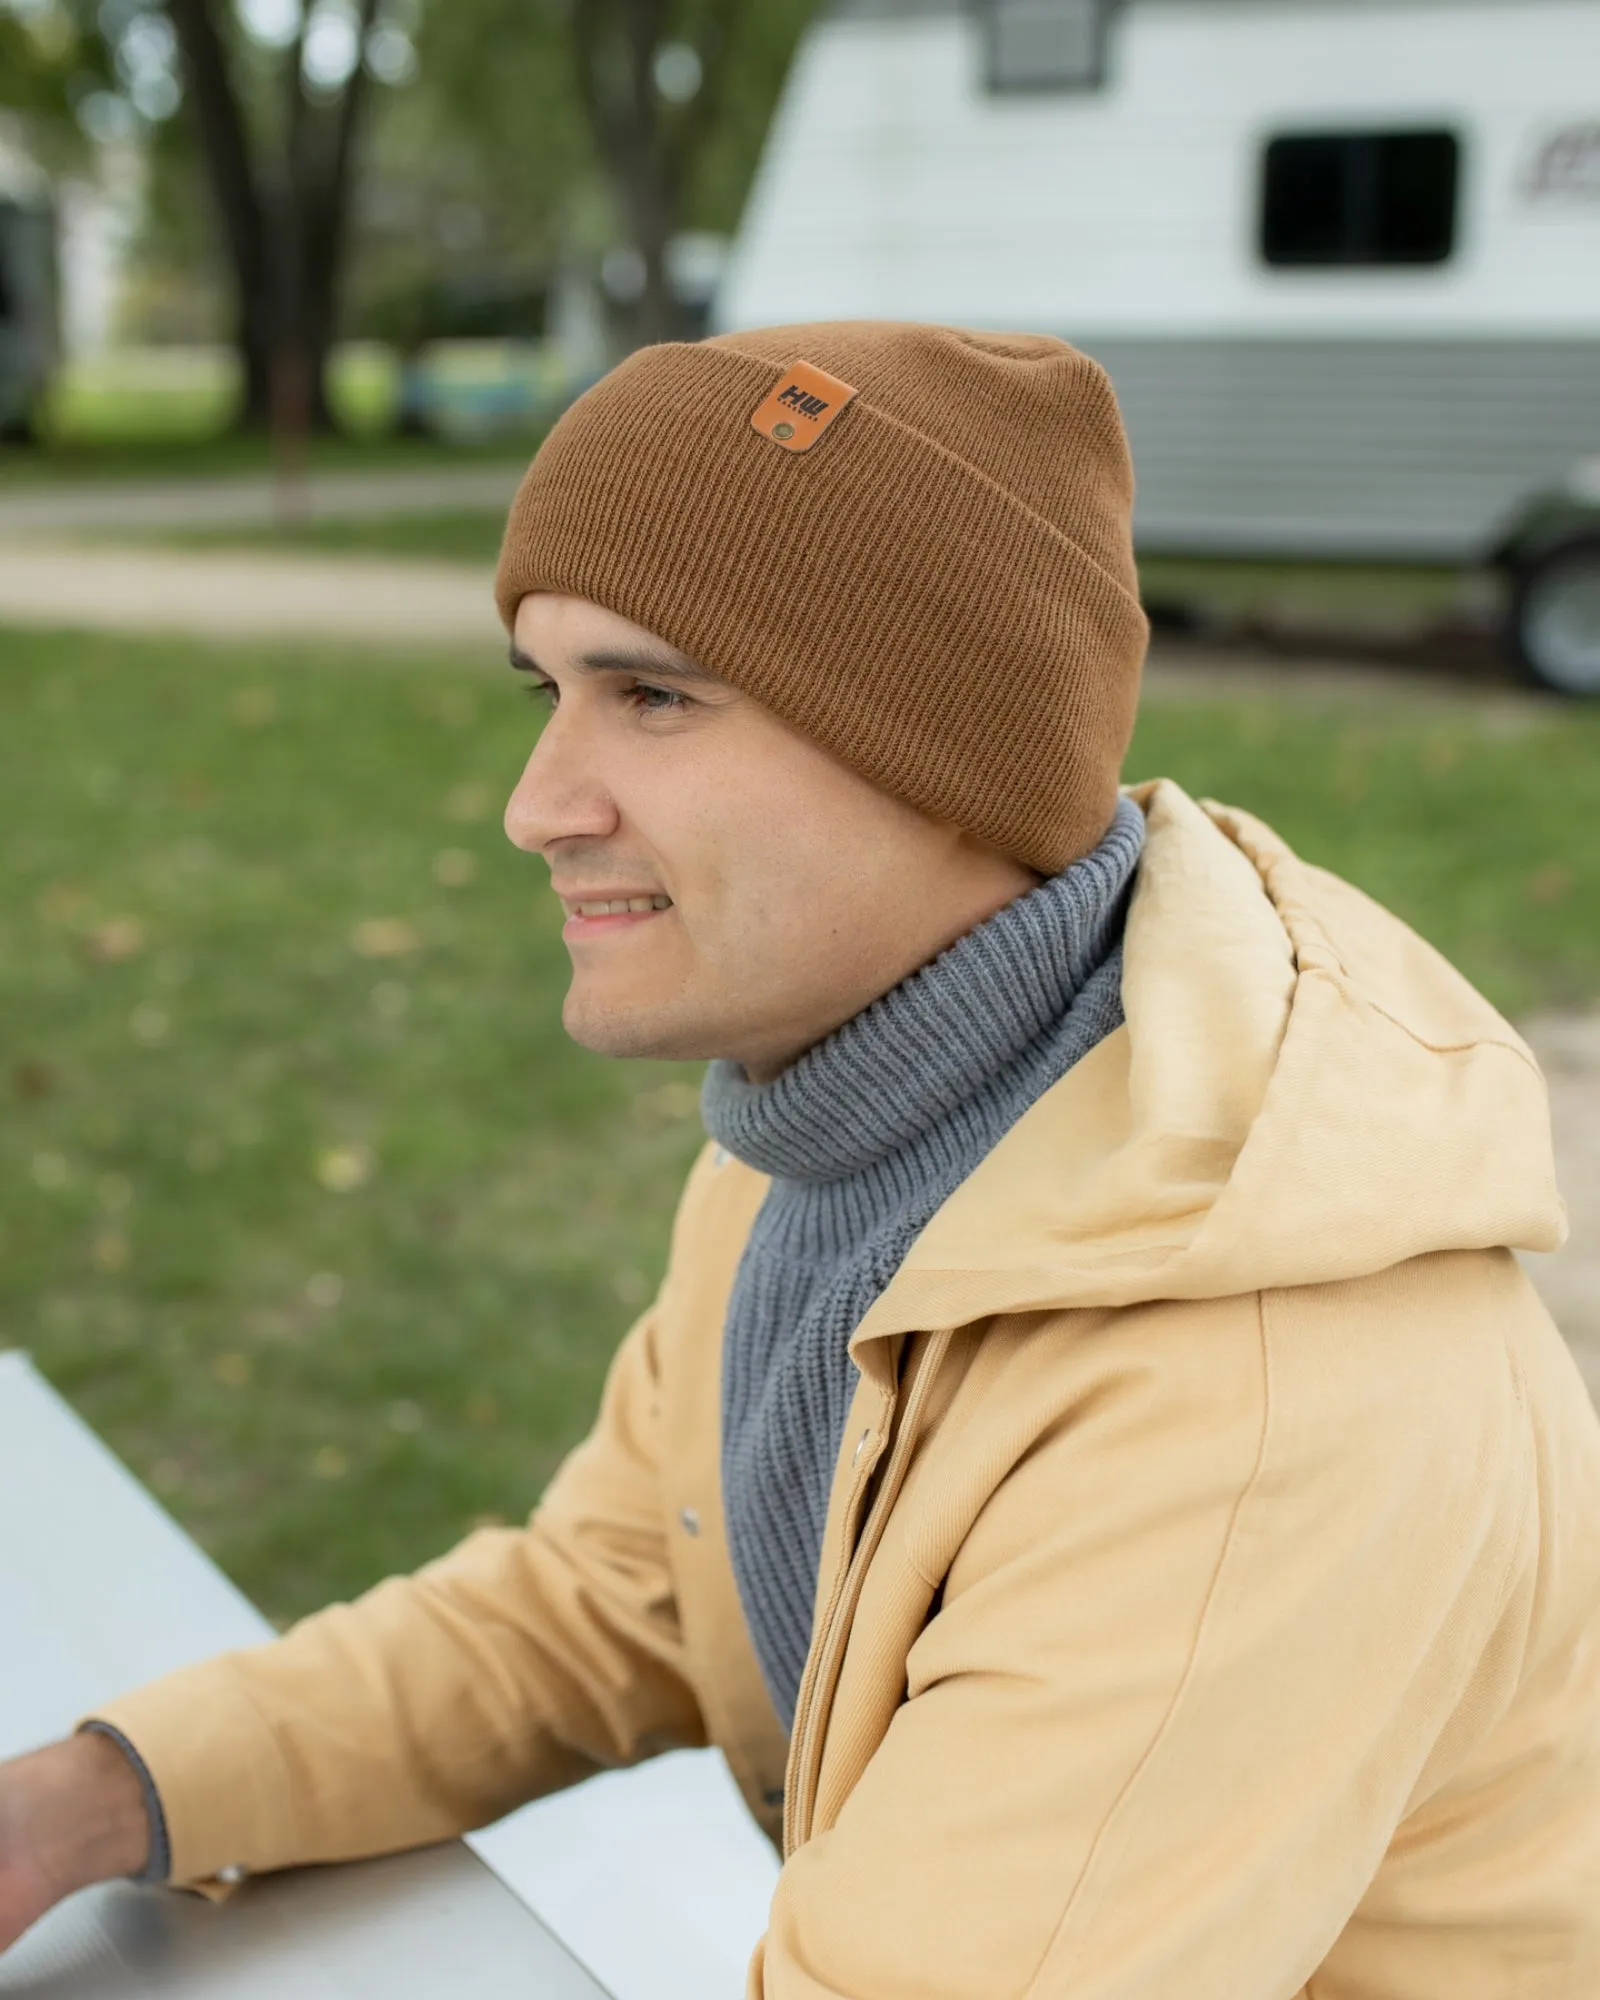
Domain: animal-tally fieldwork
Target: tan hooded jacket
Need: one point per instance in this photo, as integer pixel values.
(1210, 1601)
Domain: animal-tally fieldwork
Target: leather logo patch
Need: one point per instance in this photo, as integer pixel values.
(802, 406)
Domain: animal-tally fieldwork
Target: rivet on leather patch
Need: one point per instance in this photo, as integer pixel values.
(801, 407)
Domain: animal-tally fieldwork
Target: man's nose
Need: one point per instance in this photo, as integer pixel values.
(561, 794)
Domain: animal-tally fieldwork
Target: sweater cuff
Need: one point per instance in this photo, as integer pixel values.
(159, 1861)
(214, 1770)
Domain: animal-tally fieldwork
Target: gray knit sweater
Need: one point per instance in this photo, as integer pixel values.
(865, 1137)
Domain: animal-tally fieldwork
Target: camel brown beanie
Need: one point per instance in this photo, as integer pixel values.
(910, 542)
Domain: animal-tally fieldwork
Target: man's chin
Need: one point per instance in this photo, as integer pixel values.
(616, 1029)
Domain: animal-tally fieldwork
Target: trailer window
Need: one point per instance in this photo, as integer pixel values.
(1046, 44)
(1360, 198)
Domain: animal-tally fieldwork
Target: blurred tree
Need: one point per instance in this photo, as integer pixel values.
(529, 133)
(282, 196)
(657, 80)
(273, 99)
(46, 67)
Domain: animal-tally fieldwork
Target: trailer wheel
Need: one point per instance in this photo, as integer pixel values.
(1555, 616)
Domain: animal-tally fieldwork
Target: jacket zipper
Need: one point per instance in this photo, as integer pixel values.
(805, 1760)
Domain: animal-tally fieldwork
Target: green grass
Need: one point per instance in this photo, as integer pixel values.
(333, 1246)
(207, 456)
(1477, 825)
(1376, 600)
(304, 1199)
(455, 535)
(164, 413)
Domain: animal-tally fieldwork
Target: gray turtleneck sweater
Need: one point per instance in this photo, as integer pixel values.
(865, 1137)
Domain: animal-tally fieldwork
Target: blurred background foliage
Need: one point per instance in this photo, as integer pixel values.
(403, 170)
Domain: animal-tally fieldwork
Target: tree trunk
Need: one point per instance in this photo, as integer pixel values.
(648, 152)
(285, 233)
(245, 232)
(324, 178)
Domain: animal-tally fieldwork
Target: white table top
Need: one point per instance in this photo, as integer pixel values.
(656, 1879)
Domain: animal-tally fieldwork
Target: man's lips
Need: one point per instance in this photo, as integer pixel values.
(591, 915)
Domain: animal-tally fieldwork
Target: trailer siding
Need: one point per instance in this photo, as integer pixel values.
(1382, 448)
(1404, 411)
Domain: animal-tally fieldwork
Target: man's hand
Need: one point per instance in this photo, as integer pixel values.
(69, 1815)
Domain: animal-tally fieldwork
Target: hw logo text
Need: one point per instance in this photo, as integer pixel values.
(795, 398)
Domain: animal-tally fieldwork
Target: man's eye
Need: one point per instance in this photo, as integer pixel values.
(654, 700)
(540, 691)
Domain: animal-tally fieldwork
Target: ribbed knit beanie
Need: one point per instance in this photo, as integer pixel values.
(912, 543)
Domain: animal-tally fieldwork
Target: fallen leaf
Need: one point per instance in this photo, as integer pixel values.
(630, 1288)
(254, 707)
(469, 802)
(32, 1078)
(148, 1026)
(324, 1290)
(454, 868)
(110, 1250)
(386, 937)
(343, 1168)
(62, 902)
(389, 999)
(1550, 883)
(115, 941)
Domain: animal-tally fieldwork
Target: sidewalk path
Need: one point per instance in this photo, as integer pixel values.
(1568, 1047)
(251, 499)
(245, 596)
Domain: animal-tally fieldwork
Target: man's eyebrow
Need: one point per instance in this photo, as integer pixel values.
(624, 660)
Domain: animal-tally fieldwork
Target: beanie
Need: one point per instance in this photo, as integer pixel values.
(912, 543)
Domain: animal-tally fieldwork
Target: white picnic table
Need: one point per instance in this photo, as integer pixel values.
(648, 1885)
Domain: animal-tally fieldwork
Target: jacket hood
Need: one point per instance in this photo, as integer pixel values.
(1303, 1092)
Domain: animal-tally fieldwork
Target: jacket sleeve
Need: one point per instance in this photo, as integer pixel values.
(522, 1661)
(1222, 1618)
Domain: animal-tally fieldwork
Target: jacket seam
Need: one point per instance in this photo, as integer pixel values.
(1533, 1503)
(1126, 1797)
(1455, 1048)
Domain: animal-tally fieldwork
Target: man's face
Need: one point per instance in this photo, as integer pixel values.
(731, 888)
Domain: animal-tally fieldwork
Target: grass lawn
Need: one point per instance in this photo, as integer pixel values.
(464, 535)
(304, 1199)
(158, 413)
(207, 455)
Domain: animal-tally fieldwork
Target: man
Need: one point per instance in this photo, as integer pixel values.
(1094, 1465)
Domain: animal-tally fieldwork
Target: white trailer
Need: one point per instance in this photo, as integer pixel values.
(27, 293)
(1340, 257)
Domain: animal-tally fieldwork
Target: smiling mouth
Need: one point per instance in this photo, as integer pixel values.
(617, 906)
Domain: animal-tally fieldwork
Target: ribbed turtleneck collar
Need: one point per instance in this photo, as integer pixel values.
(940, 1037)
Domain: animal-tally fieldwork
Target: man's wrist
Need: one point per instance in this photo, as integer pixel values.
(158, 1853)
(80, 1807)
